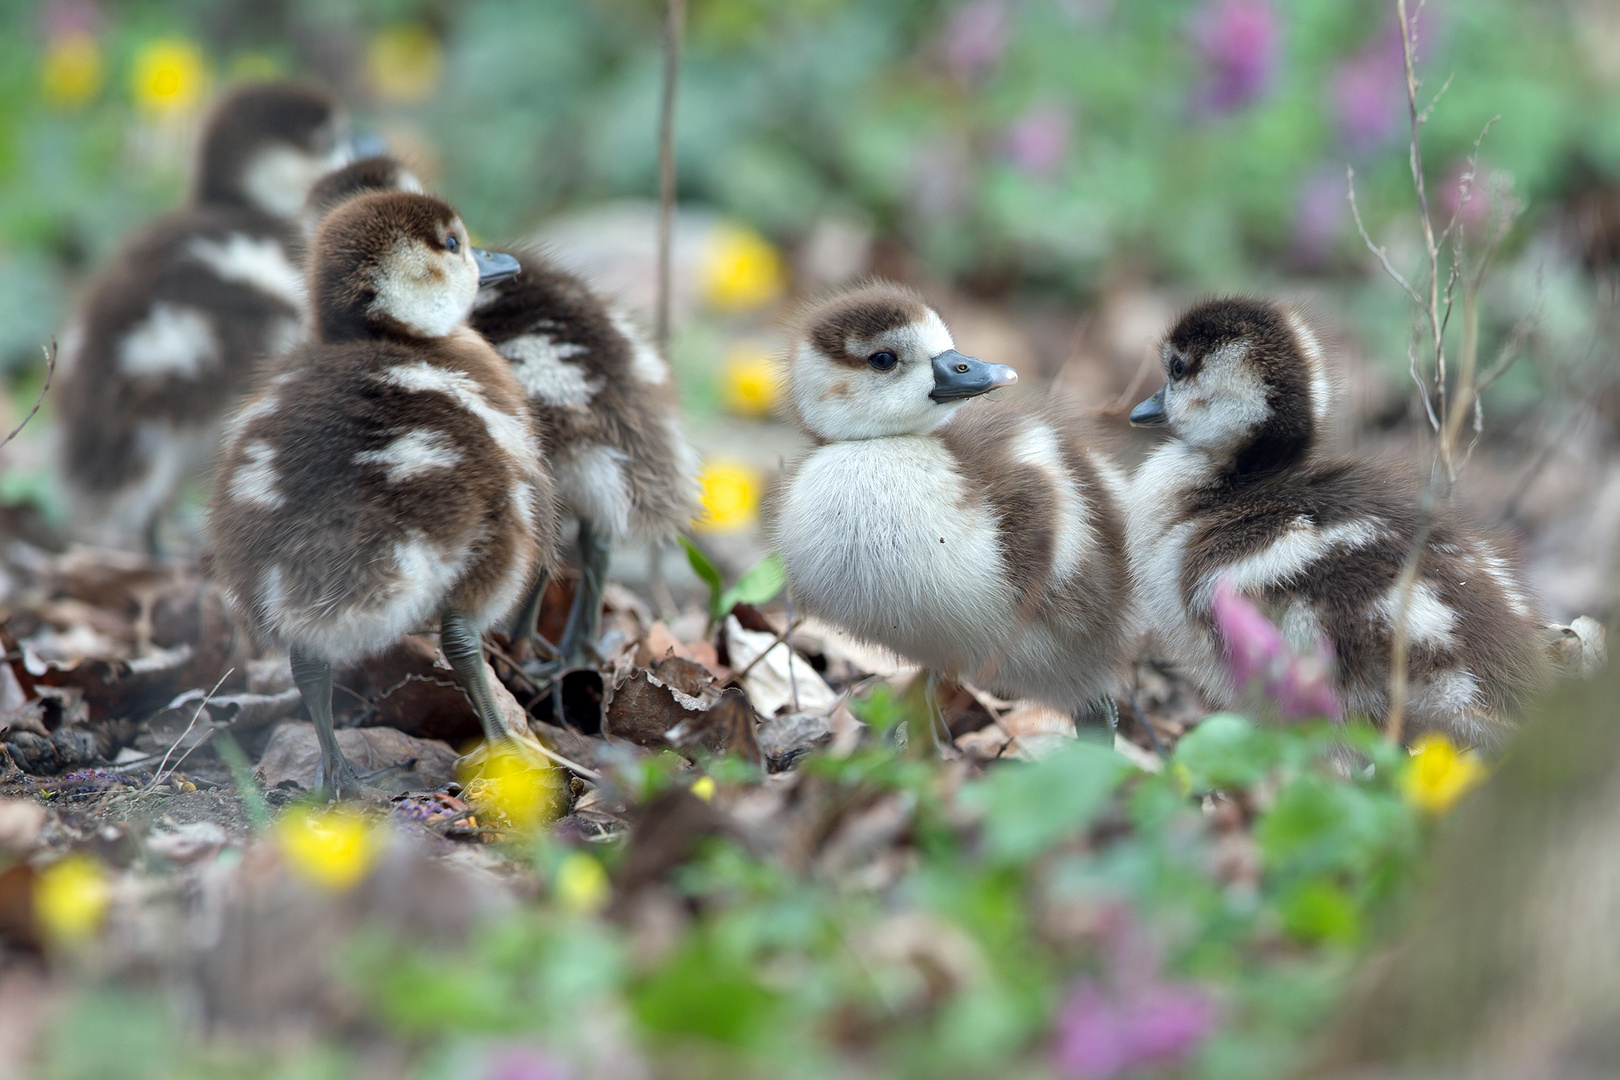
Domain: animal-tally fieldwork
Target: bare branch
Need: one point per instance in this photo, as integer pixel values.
(39, 399)
(1423, 117)
(1382, 255)
(674, 19)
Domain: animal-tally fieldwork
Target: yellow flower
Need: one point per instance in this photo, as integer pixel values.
(740, 269)
(1439, 774)
(71, 73)
(171, 76)
(749, 380)
(332, 848)
(581, 885)
(404, 63)
(730, 495)
(509, 788)
(70, 898)
(703, 788)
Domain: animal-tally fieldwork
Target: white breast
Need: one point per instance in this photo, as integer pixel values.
(877, 538)
(1157, 548)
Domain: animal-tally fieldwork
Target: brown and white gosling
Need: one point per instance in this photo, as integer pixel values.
(168, 334)
(389, 475)
(1244, 492)
(977, 540)
(602, 398)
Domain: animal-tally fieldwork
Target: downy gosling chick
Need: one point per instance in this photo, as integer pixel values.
(981, 542)
(170, 331)
(601, 396)
(389, 474)
(1244, 492)
(607, 405)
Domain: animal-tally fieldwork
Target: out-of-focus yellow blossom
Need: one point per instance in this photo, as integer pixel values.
(1439, 774)
(581, 885)
(750, 381)
(740, 270)
(509, 789)
(730, 495)
(404, 63)
(71, 72)
(332, 848)
(703, 788)
(171, 76)
(70, 898)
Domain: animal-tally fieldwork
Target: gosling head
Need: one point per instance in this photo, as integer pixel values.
(878, 361)
(1244, 382)
(265, 144)
(377, 173)
(397, 264)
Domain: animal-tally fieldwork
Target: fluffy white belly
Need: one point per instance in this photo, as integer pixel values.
(882, 537)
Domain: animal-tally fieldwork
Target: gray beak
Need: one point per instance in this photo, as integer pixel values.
(957, 376)
(1151, 412)
(366, 144)
(494, 266)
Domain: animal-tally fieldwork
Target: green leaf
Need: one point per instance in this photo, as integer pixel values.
(758, 584)
(704, 568)
(1225, 752)
(1321, 911)
(706, 993)
(1028, 808)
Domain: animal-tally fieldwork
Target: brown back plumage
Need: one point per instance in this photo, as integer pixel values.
(250, 118)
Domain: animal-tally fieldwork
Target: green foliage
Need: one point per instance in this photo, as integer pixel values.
(759, 584)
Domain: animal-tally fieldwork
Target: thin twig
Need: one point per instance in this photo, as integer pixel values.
(39, 399)
(674, 18)
(157, 776)
(781, 639)
(1383, 256)
(1405, 586)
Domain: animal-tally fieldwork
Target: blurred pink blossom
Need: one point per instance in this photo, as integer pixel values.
(1300, 686)
(1237, 40)
(524, 1063)
(1102, 1035)
(1037, 143)
(1479, 207)
(1369, 89)
(1320, 212)
(975, 38)
(69, 18)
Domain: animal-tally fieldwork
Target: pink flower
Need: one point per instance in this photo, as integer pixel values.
(1320, 211)
(1237, 40)
(1300, 686)
(524, 1063)
(1102, 1035)
(1369, 89)
(1037, 143)
(975, 38)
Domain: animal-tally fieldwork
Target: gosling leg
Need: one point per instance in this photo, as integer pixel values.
(524, 624)
(334, 776)
(464, 648)
(1097, 720)
(578, 645)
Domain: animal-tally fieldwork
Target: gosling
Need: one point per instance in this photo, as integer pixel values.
(979, 541)
(170, 331)
(389, 474)
(1243, 492)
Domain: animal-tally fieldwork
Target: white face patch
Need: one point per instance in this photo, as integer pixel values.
(254, 480)
(279, 177)
(645, 363)
(429, 292)
(1220, 406)
(542, 366)
(258, 262)
(839, 401)
(413, 454)
(172, 341)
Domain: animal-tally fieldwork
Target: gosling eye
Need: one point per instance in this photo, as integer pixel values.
(883, 360)
(451, 244)
(1178, 368)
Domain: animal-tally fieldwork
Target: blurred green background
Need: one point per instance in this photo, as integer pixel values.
(1044, 147)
